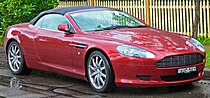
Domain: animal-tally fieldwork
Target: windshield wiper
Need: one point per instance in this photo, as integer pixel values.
(139, 26)
(117, 27)
(97, 30)
(112, 27)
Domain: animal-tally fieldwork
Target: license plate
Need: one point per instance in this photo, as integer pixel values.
(186, 70)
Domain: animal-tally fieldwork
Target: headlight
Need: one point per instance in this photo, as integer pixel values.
(197, 44)
(134, 51)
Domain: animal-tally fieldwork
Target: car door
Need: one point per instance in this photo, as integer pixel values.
(52, 45)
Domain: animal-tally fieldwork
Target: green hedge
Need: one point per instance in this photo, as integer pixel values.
(1, 40)
(207, 59)
(203, 40)
(20, 11)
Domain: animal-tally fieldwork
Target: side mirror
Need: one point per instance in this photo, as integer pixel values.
(65, 28)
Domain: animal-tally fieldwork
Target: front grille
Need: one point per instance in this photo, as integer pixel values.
(179, 77)
(180, 60)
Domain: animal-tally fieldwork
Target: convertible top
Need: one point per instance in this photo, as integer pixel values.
(62, 11)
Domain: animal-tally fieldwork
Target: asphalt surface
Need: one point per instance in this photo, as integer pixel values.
(44, 85)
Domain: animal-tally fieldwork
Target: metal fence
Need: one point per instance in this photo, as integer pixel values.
(170, 15)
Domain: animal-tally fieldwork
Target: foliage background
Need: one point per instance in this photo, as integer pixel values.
(20, 11)
(207, 58)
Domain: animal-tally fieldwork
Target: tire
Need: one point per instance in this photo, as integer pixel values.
(16, 59)
(99, 73)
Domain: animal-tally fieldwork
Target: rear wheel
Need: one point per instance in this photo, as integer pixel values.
(99, 73)
(16, 59)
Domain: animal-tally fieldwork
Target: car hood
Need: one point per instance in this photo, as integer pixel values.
(150, 39)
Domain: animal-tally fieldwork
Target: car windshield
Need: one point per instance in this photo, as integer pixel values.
(105, 20)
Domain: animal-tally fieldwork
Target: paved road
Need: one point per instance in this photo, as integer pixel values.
(44, 84)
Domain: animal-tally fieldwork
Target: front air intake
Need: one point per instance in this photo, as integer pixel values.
(180, 60)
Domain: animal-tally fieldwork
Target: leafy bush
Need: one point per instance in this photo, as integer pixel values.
(20, 11)
(207, 58)
(41, 5)
(13, 12)
(1, 40)
(203, 40)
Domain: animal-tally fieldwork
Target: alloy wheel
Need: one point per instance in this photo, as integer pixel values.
(97, 71)
(14, 57)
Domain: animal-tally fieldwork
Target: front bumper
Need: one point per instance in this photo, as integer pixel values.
(128, 70)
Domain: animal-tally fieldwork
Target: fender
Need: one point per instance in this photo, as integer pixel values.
(11, 35)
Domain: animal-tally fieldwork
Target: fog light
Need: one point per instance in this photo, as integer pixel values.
(146, 78)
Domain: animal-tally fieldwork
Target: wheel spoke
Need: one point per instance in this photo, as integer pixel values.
(13, 49)
(97, 60)
(95, 78)
(94, 64)
(17, 66)
(18, 61)
(94, 73)
(92, 68)
(18, 57)
(103, 75)
(102, 68)
(14, 65)
(11, 58)
(17, 51)
(102, 81)
(100, 62)
(98, 80)
(11, 53)
(13, 61)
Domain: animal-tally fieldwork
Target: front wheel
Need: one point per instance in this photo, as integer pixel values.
(99, 73)
(16, 59)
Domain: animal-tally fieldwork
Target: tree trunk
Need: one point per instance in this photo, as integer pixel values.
(197, 19)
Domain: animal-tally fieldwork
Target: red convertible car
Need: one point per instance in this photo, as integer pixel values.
(104, 46)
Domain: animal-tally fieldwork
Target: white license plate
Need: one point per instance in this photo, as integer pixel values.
(186, 70)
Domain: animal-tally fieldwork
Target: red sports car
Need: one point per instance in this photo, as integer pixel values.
(104, 46)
